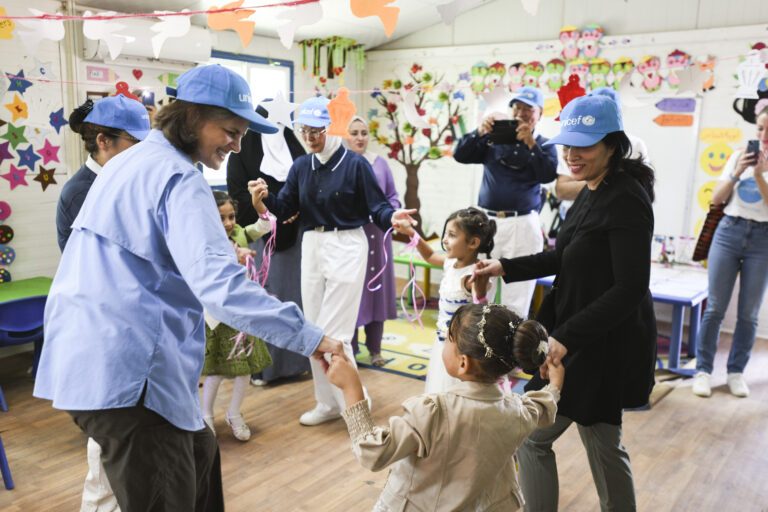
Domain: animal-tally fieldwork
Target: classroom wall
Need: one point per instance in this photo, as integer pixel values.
(684, 182)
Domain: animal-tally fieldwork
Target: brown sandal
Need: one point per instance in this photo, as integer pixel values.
(377, 360)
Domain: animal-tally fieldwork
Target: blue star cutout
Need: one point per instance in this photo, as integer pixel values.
(27, 157)
(18, 83)
(57, 119)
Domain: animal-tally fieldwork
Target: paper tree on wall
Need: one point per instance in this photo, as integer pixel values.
(418, 120)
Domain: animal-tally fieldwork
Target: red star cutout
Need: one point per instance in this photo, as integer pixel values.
(16, 177)
(45, 177)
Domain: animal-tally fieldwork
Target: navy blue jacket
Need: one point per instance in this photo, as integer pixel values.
(340, 194)
(70, 201)
(512, 173)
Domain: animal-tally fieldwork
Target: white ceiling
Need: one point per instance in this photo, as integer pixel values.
(337, 20)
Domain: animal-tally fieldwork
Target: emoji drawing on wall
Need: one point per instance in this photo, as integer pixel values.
(714, 157)
(704, 195)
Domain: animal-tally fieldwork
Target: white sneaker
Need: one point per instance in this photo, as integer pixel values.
(209, 421)
(240, 428)
(317, 416)
(738, 385)
(701, 386)
(258, 382)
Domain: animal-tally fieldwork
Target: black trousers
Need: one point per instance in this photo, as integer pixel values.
(153, 465)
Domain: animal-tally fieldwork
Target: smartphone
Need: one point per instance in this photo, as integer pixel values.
(148, 98)
(504, 131)
(753, 147)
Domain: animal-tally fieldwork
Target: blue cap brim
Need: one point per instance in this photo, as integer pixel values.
(527, 102)
(312, 121)
(576, 139)
(139, 134)
(171, 91)
(257, 123)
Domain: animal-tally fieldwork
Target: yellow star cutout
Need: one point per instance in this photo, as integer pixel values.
(18, 108)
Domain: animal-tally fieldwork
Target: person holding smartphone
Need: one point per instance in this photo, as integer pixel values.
(739, 249)
(514, 168)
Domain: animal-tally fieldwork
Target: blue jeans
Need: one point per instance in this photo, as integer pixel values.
(739, 247)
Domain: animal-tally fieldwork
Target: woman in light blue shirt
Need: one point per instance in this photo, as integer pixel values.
(124, 324)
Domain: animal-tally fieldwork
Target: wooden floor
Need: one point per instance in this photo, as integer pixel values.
(688, 453)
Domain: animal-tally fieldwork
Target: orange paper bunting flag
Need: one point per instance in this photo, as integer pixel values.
(674, 120)
(342, 110)
(387, 14)
(233, 20)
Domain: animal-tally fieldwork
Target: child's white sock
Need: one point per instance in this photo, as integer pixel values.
(210, 388)
(239, 386)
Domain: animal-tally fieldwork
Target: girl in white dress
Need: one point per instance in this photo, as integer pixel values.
(466, 234)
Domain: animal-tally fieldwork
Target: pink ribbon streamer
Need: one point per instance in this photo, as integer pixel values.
(269, 249)
(386, 260)
(242, 346)
(414, 287)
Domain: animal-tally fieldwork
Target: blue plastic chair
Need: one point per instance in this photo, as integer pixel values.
(21, 321)
(4, 468)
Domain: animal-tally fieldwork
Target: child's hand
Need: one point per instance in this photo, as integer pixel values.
(404, 227)
(342, 374)
(243, 253)
(556, 373)
(258, 190)
(480, 285)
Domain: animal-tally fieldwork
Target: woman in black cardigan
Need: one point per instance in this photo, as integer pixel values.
(600, 316)
(270, 160)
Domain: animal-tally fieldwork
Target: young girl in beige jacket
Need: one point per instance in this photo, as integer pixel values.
(455, 450)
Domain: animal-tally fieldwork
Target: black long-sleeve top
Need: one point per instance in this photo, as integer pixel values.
(339, 194)
(246, 166)
(512, 173)
(603, 309)
(70, 201)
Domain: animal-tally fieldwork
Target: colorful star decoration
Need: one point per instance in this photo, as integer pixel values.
(4, 153)
(45, 177)
(28, 158)
(18, 82)
(18, 108)
(49, 152)
(14, 135)
(57, 119)
(16, 177)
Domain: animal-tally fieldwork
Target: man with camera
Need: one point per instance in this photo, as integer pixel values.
(515, 165)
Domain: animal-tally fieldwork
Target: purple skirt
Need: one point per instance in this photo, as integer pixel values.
(379, 305)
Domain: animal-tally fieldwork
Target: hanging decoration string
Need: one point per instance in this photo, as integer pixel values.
(414, 287)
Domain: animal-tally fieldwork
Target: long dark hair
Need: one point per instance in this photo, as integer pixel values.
(620, 161)
(89, 131)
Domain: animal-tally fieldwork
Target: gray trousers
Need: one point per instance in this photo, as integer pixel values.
(608, 460)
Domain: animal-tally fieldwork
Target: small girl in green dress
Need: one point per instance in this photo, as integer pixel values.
(222, 358)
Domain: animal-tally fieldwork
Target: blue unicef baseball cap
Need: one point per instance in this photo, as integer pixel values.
(585, 121)
(314, 112)
(120, 113)
(609, 92)
(218, 86)
(528, 95)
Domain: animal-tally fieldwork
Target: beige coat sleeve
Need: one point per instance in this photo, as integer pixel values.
(412, 433)
(540, 407)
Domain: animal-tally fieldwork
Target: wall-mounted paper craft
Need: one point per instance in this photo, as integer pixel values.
(122, 88)
(677, 61)
(750, 73)
(7, 255)
(6, 234)
(628, 93)
(691, 79)
(5, 276)
(674, 120)
(496, 102)
(45, 177)
(18, 82)
(233, 20)
(168, 79)
(388, 14)
(676, 105)
(707, 65)
(42, 70)
(727, 135)
(15, 177)
(299, 16)
(569, 37)
(57, 119)
(410, 112)
(38, 30)
(554, 74)
(100, 74)
(5, 210)
(280, 110)
(623, 66)
(341, 110)
(6, 26)
(168, 27)
(17, 108)
(599, 72)
(589, 42)
(714, 158)
(49, 152)
(27, 157)
(516, 74)
(14, 135)
(530, 6)
(107, 31)
(649, 67)
(4, 153)
(533, 72)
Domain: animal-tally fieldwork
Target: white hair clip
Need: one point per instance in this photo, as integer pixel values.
(543, 348)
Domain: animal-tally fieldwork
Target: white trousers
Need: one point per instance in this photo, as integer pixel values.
(97, 493)
(332, 279)
(517, 236)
